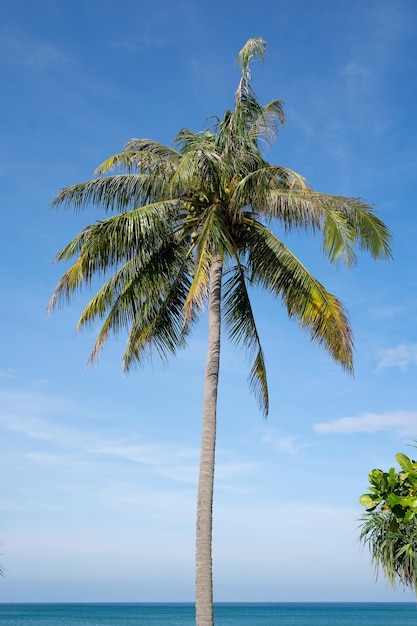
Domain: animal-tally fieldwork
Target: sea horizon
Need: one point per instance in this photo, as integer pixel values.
(192, 602)
(318, 613)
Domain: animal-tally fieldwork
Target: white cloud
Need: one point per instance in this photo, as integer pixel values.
(404, 422)
(402, 356)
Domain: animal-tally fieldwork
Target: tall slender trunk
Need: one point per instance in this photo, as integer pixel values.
(204, 578)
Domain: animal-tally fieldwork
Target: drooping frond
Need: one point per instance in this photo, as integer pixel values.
(150, 287)
(150, 146)
(240, 321)
(269, 190)
(161, 322)
(200, 168)
(139, 154)
(145, 175)
(189, 141)
(250, 123)
(212, 238)
(370, 233)
(273, 266)
(278, 193)
(104, 246)
(392, 546)
(253, 48)
(115, 193)
(133, 283)
(266, 125)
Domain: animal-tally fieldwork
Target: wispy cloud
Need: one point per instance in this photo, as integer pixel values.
(357, 76)
(403, 422)
(166, 459)
(57, 433)
(401, 356)
(286, 443)
(393, 311)
(386, 27)
(155, 31)
(142, 41)
(18, 374)
(11, 372)
(19, 49)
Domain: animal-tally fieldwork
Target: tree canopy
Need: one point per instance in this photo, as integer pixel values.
(389, 526)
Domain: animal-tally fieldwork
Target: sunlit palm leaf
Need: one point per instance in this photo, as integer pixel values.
(275, 268)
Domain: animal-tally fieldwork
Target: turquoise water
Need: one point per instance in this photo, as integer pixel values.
(230, 614)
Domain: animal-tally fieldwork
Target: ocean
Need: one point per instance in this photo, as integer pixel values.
(227, 614)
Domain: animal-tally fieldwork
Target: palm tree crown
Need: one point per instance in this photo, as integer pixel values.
(196, 219)
(215, 193)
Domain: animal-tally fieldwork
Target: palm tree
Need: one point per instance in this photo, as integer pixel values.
(392, 544)
(389, 526)
(190, 227)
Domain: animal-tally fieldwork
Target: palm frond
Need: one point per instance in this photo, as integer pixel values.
(253, 49)
(339, 239)
(106, 245)
(198, 292)
(125, 161)
(114, 193)
(279, 193)
(241, 325)
(150, 146)
(152, 292)
(370, 233)
(133, 283)
(140, 154)
(392, 546)
(188, 141)
(280, 272)
(266, 125)
(161, 323)
(269, 191)
(200, 167)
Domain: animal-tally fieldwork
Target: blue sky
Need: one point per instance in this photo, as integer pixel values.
(98, 469)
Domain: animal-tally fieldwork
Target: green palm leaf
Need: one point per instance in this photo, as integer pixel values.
(392, 545)
(242, 328)
(273, 266)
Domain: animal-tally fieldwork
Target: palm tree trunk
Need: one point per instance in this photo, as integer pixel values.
(204, 578)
